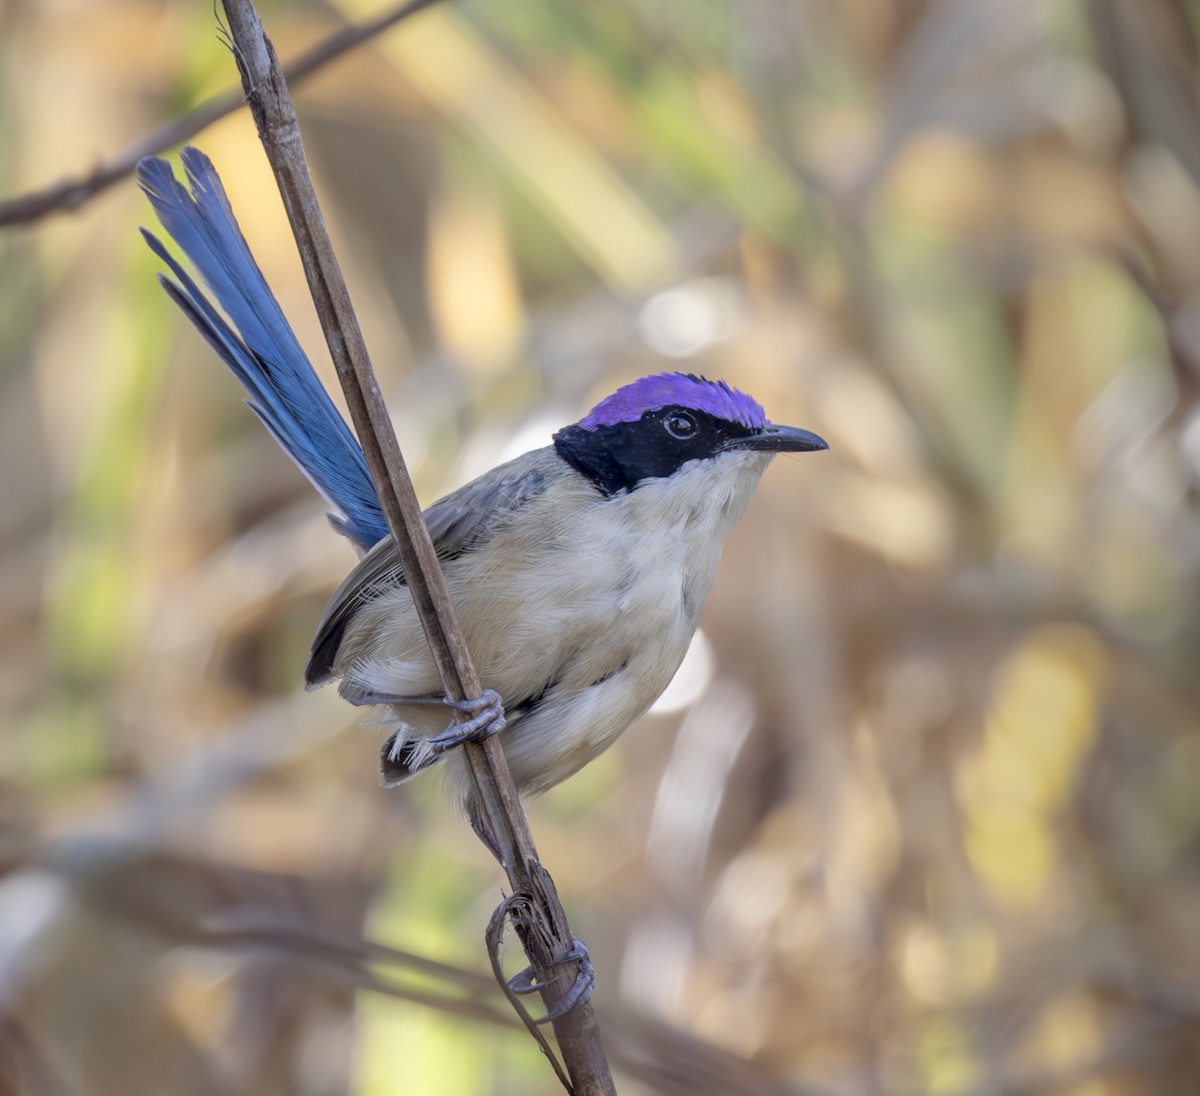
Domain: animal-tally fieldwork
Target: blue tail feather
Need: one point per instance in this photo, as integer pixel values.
(259, 346)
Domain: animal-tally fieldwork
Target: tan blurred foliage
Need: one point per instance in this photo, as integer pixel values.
(921, 814)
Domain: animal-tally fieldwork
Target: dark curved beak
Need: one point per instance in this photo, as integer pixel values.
(781, 439)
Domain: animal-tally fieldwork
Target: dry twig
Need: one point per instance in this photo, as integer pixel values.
(547, 947)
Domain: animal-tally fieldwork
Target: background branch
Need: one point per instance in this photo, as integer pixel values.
(71, 194)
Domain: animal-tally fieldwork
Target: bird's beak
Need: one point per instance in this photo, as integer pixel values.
(781, 439)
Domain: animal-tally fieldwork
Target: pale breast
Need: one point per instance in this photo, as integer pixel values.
(578, 614)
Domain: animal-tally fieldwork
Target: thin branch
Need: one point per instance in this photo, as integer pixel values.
(349, 963)
(547, 948)
(71, 194)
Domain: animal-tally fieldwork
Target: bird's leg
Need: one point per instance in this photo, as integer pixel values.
(580, 992)
(487, 713)
(362, 697)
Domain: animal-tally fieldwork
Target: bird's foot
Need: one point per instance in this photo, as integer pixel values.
(580, 992)
(487, 719)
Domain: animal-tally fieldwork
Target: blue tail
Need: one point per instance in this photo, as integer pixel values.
(260, 348)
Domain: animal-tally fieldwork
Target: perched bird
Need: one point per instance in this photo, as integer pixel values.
(578, 571)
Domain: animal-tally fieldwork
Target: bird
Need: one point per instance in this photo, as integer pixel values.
(578, 570)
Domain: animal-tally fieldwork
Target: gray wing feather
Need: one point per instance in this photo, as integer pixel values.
(457, 523)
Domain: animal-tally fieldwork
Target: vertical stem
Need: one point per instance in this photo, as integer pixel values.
(266, 90)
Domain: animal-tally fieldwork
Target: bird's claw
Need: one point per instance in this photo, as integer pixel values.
(578, 995)
(487, 719)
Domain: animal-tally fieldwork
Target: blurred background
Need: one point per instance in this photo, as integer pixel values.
(921, 813)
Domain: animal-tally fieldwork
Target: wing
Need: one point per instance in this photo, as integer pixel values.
(460, 522)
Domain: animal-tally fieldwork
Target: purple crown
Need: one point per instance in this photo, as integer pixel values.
(630, 402)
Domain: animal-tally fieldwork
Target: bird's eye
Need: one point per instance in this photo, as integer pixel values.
(680, 425)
